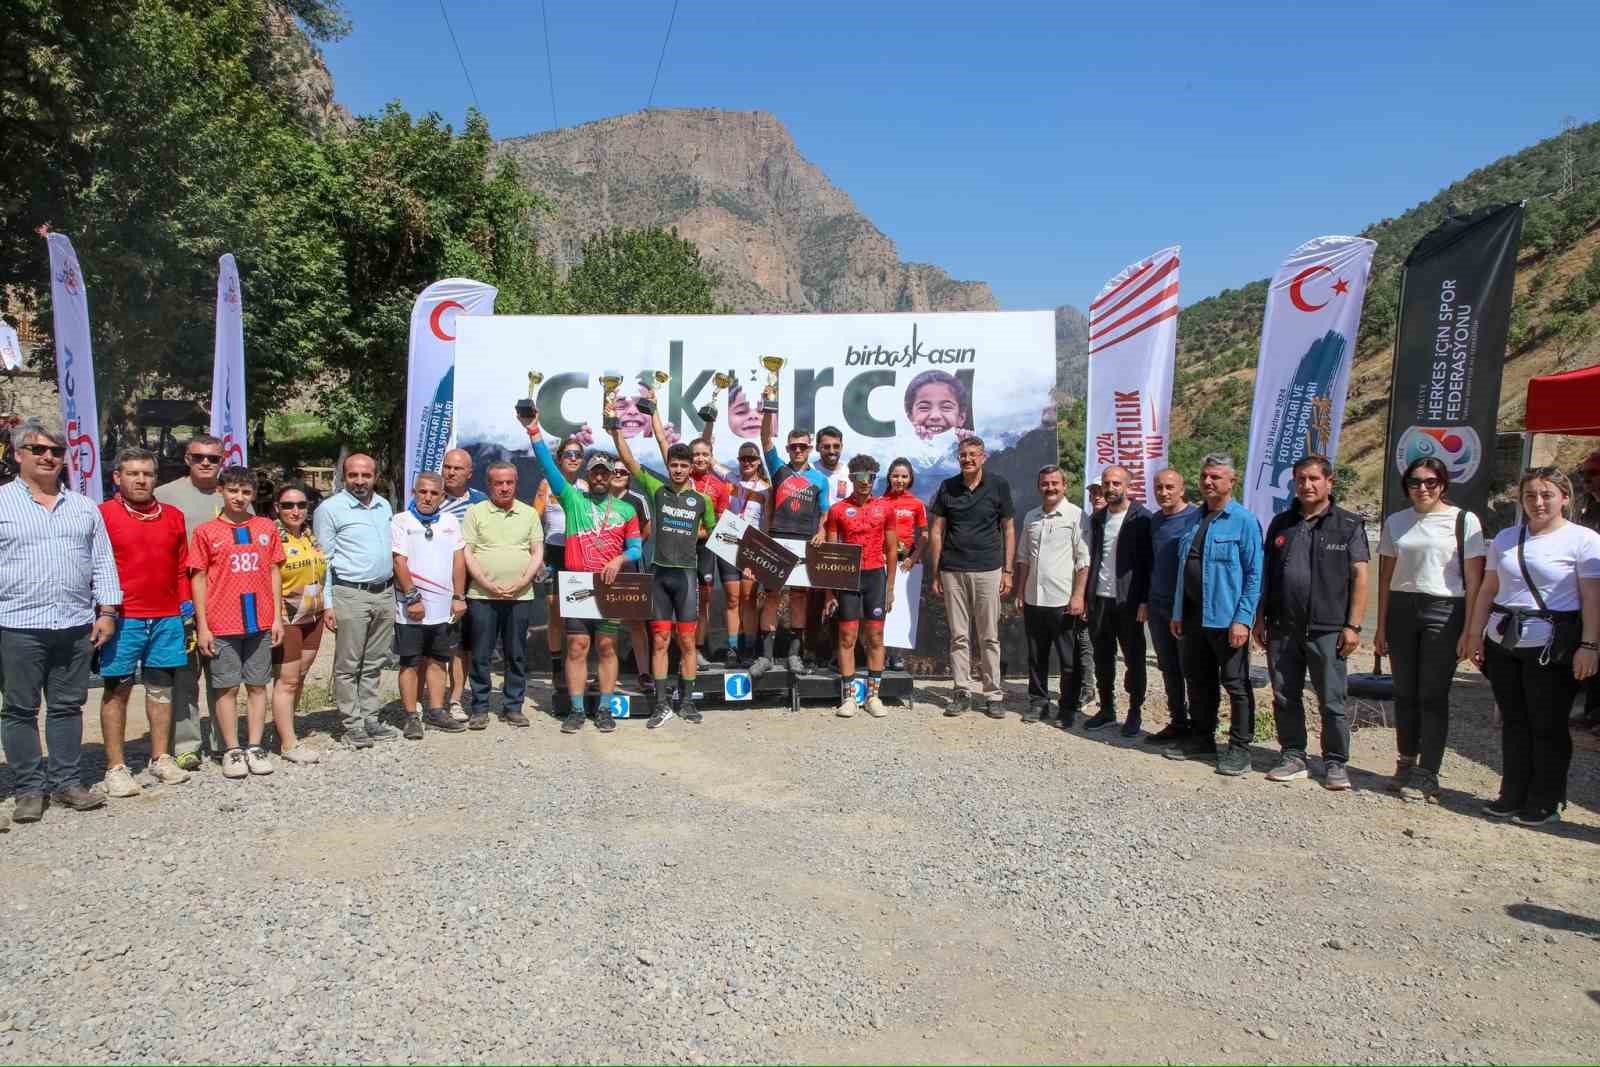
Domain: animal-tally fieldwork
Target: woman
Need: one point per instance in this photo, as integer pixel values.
(748, 500)
(304, 570)
(910, 531)
(1540, 606)
(1430, 567)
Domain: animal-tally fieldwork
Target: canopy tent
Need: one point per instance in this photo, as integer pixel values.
(1565, 403)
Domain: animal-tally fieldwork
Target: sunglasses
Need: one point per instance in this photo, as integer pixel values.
(572, 453)
(58, 451)
(198, 458)
(749, 459)
(799, 447)
(1423, 483)
(293, 505)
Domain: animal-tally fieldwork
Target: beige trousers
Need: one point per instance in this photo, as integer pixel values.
(972, 599)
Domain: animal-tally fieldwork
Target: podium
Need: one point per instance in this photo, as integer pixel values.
(725, 690)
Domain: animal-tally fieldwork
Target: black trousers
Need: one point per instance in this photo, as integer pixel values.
(1535, 740)
(1052, 629)
(1113, 626)
(1423, 631)
(1214, 667)
(1169, 661)
(502, 622)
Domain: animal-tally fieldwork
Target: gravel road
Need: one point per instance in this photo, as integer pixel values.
(794, 887)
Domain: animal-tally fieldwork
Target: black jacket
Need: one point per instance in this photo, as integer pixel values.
(1309, 563)
(1135, 557)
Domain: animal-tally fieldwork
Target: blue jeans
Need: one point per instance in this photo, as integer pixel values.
(55, 662)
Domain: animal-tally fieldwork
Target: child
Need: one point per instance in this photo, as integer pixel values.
(236, 561)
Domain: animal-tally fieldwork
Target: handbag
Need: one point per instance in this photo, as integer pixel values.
(1566, 627)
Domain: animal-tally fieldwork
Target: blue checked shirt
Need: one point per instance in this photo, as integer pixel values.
(55, 565)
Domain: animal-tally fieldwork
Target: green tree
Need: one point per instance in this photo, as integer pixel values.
(641, 272)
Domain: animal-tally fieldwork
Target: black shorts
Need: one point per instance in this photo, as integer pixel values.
(866, 602)
(555, 557)
(713, 568)
(674, 597)
(414, 641)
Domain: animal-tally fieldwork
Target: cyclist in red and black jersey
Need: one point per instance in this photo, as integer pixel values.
(868, 521)
(798, 491)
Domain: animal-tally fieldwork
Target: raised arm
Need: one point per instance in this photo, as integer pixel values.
(625, 453)
(657, 428)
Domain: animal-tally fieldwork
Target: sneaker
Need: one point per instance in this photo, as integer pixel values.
(1100, 720)
(189, 761)
(356, 737)
(761, 666)
(234, 765)
(1035, 712)
(700, 661)
(413, 727)
(120, 783)
(660, 717)
(257, 760)
(1132, 727)
(603, 721)
(77, 798)
(796, 665)
(1536, 816)
(1335, 776)
(847, 706)
(1173, 731)
(1290, 768)
(994, 709)
(1402, 777)
(1422, 784)
(166, 771)
(730, 659)
(1192, 747)
(379, 730)
(690, 712)
(570, 725)
(514, 718)
(29, 808)
(960, 704)
(301, 755)
(478, 720)
(876, 707)
(1234, 761)
(1500, 808)
(440, 719)
(457, 712)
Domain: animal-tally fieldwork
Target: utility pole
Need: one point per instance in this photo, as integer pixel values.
(1569, 154)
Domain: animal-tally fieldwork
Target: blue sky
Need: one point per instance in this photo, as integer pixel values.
(1040, 147)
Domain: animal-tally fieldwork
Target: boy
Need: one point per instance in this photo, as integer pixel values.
(235, 563)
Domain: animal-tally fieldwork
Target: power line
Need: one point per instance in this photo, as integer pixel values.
(660, 59)
(544, 15)
(460, 58)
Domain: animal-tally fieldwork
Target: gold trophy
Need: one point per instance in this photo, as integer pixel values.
(719, 382)
(610, 382)
(657, 379)
(769, 392)
(526, 408)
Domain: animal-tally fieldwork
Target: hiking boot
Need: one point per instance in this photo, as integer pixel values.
(1102, 719)
(1132, 727)
(1536, 816)
(413, 727)
(796, 665)
(659, 716)
(730, 659)
(1500, 808)
(1335, 776)
(78, 798)
(440, 719)
(356, 737)
(603, 720)
(847, 706)
(690, 712)
(234, 764)
(478, 720)
(1193, 747)
(1403, 768)
(1065, 718)
(379, 730)
(302, 755)
(1290, 768)
(572, 723)
(1173, 731)
(960, 704)
(29, 808)
(1035, 712)
(457, 712)
(166, 771)
(514, 718)
(257, 760)
(1422, 784)
(994, 709)
(761, 666)
(189, 761)
(1234, 761)
(120, 783)
(875, 706)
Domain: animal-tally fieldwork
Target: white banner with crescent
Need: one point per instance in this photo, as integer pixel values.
(69, 298)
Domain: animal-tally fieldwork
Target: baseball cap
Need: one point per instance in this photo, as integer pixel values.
(598, 460)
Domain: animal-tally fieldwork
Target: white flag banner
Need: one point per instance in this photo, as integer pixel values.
(228, 423)
(1308, 339)
(75, 368)
(430, 374)
(10, 348)
(1133, 334)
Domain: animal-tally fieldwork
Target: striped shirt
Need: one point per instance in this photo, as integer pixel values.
(55, 565)
(457, 505)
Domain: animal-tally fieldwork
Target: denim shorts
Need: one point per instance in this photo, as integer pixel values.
(144, 643)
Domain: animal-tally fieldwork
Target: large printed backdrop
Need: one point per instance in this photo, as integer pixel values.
(897, 385)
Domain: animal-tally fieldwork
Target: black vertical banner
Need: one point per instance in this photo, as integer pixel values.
(1455, 313)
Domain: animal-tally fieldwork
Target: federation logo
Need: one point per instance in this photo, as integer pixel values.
(261, 539)
(1457, 447)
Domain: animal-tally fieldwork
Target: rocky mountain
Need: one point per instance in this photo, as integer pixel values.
(784, 237)
(1072, 351)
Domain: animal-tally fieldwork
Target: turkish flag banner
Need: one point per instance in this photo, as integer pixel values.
(431, 371)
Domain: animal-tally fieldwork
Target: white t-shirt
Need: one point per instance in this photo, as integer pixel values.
(431, 563)
(1105, 583)
(1424, 550)
(1556, 560)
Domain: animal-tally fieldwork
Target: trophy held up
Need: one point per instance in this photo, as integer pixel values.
(656, 378)
(526, 408)
(610, 382)
(769, 392)
(719, 382)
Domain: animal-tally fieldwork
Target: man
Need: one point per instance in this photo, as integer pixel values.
(971, 547)
(59, 600)
(352, 526)
(602, 534)
(638, 634)
(798, 492)
(195, 496)
(504, 550)
(681, 513)
(430, 577)
(1119, 568)
(830, 449)
(458, 497)
(235, 564)
(867, 521)
(1173, 518)
(150, 543)
(1213, 609)
(710, 567)
(1052, 578)
(1313, 597)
